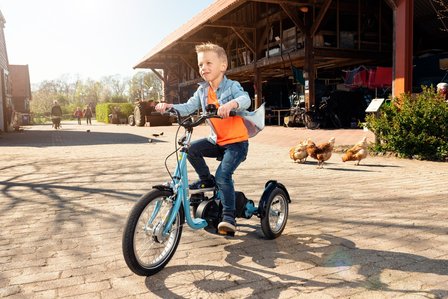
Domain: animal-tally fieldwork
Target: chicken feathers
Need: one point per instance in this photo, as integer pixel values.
(321, 152)
(298, 152)
(357, 152)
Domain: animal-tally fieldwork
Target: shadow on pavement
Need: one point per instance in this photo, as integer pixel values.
(339, 256)
(36, 138)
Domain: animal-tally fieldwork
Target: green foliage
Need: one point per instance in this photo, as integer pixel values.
(416, 126)
(104, 110)
(71, 92)
(40, 119)
(118, 99)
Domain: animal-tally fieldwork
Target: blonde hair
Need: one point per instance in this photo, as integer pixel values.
(208, 46)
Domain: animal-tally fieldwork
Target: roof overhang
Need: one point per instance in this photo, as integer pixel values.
(213, 12)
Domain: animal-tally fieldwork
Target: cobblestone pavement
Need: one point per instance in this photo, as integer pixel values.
(378, 230)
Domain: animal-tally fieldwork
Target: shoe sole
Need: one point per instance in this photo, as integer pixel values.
(224, 229)
(226, 233)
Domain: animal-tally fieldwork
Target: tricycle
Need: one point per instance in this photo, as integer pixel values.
(154, 226)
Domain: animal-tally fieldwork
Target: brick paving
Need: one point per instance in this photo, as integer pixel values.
(378, 230)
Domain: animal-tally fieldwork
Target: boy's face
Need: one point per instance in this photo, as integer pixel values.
(211, 67)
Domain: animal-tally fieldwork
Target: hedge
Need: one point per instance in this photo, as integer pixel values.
(105, 109)
(413, 127)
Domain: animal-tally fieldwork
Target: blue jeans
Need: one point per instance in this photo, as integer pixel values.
(230, 155)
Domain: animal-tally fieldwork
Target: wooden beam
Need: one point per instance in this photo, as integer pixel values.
(320, 17)
(188, 62)
(228, 25)
(291, 12)
(402, 76)
(171, 70)
(291, 2)
(156, 72)
(245, 40)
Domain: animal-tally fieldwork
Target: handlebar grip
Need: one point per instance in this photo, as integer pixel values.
(232, 113)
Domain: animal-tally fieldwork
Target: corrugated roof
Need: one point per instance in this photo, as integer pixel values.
(214, 10)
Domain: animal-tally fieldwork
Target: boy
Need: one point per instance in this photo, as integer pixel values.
(228, 140)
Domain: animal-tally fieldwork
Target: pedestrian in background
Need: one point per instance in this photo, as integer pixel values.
(78, 114)
(56, 115)
(88, 114)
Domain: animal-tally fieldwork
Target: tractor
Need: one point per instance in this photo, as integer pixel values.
(144, 111)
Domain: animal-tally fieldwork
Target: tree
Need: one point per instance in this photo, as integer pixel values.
(72, 92)
(145, 86)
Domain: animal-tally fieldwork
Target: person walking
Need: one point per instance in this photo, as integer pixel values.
(88, 114)
(78, 114)
(56, 115)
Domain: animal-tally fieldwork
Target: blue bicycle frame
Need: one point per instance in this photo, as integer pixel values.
(179, 186)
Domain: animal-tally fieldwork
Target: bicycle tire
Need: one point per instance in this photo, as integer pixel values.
(310, 123)
(274, 221)
(145, 251)
(335, 121)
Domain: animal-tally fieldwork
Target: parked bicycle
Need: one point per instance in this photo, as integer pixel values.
(324, 116)
(154, 226)
(297, 112)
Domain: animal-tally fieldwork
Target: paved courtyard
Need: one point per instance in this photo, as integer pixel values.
(378, 230)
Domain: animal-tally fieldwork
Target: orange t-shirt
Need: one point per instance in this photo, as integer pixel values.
(230, 129)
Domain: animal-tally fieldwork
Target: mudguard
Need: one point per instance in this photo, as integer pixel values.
(270, 186)
(163, 188)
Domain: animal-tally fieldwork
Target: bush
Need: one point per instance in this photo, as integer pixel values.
(413, 127)
(104, 110)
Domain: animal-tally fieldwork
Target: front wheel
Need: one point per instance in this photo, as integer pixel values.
(273, 222)
(146, 249)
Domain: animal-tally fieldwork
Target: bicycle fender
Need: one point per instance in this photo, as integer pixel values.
(163, 188)
(270, 186)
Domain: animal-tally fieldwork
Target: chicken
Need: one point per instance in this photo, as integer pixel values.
(321, 152)
(357, 152)
(299, 152)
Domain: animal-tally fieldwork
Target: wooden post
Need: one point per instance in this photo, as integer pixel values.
(403, 45)
(258, 88)
(309, 67)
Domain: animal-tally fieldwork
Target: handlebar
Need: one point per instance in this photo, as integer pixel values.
(188, 123)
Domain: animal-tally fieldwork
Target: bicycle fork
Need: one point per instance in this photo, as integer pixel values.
(180, 196)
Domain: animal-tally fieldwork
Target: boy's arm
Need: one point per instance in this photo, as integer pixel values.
(241, 97)
(240, 102)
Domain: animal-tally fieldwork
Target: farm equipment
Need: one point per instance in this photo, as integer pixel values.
(144, 112)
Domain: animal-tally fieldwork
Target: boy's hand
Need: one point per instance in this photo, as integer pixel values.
(225, 109)
(161, 107)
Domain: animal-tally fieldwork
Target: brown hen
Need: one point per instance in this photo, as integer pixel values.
(357, 152)
(298, 152)
(321, 152)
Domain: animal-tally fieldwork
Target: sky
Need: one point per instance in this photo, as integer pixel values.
(89, 38)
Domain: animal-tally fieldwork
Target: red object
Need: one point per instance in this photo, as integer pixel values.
(380, 77)
(360, 78)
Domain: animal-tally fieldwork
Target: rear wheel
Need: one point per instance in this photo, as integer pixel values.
(146, 249)
(131, 120)
(274, 220)
(310, 123)
(139, 115)
(335, 120)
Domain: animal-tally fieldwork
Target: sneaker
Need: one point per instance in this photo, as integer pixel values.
(202, 185)
(225, 228)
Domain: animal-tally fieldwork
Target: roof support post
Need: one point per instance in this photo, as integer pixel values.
(403, 47)
(309, 66)
(257, 88)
